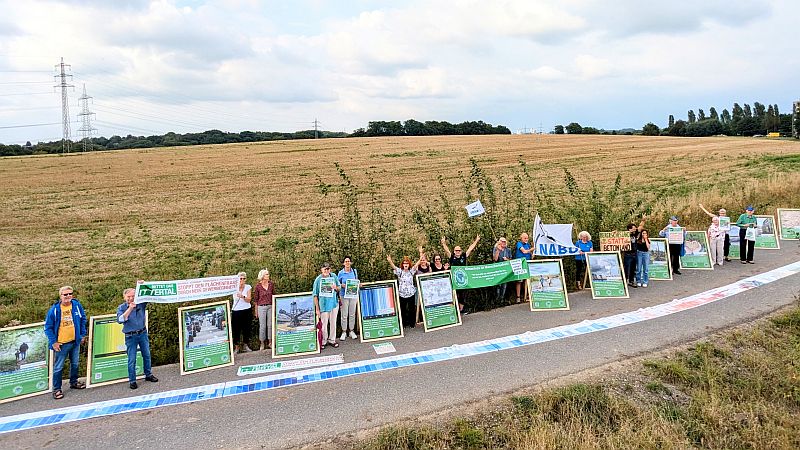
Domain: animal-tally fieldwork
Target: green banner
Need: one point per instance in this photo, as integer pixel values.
(487, 275)
(205, 337)
(697, 255)
(548, 291)
(439, 304)
(659, 260)
(379, 312)
(605, 275)
(294, 325)
(24, 362)
(789, 223)
(108, 356)
(767, 238)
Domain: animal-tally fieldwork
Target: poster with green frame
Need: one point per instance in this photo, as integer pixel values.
(294, 325)
(767, 237)
(789, 223)
(606, 278)
(205, 337)
(659, 268)
(548, 292)
(107, 360)
(379, 314)
(696, 255)
(438, 300)
(26, 362)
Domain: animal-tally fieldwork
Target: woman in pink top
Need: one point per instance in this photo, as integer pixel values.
(262, 298)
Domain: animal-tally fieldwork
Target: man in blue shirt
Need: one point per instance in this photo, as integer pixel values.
(132, 317)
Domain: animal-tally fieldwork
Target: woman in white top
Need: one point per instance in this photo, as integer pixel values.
(405, 286)
(716, 241)
(241, 317)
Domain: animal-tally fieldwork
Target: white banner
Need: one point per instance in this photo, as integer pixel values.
(553, 240)
(290, 365)
(475, 209)
(186, 290)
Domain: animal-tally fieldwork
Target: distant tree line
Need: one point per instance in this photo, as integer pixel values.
(413, 127)
(739, 121)
(576, 128)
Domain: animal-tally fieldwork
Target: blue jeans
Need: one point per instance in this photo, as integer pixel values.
(642, 267)
(73, 350)
(143, 342)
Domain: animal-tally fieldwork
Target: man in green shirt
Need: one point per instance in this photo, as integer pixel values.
(746, 246)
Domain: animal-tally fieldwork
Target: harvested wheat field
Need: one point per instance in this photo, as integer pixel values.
(106, 218)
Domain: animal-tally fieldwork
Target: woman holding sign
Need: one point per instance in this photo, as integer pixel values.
(347, 301)
(747, 235)
(716, 241)
(326, 302)
(241, 316)
(408, 292)
(725, 226)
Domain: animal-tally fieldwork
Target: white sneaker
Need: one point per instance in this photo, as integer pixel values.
(343, 336)
(644, 284)
(639, 284)
(353, 335)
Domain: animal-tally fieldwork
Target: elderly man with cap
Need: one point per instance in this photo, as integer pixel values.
(747, 246)
(133, 318)
(65, 328)
(676, 250)
(327, 303)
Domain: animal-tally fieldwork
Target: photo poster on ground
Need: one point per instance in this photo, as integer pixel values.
(606, 278)
(659, 268)
(548, 292)
(789, 223)
(612, 241)
(767, 237)
(696, 255)
(205, 337)
(294, 325)
(107, 360)
(26, 362)
(439, 301)
(379, 316)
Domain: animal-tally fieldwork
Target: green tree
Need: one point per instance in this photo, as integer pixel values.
(726, 117)
(651, 129)
(701, 115)
(559, 129)
(691, 116)
(671, 121)
(712, 113)
(737, 114)
(678, 129)
(574, 128)
(759, 112)
(747, 111)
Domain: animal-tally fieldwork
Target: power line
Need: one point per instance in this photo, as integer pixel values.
(86, 120)
(30, 125)
(65, 141)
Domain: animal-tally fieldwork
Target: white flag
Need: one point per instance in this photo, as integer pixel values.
(475, 209)
(553, 240)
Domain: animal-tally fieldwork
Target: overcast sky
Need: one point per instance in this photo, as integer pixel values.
(189, 66)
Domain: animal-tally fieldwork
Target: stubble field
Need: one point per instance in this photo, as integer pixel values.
(99, 221)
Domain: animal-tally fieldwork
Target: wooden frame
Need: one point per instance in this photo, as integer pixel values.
(708, 250)
(441, 274)
(397, 309)
(276, 310)
(592, 255)
(780, 223)
(90, 357)
(182, 329)
(776, 231)
(529, 282)
(666, 252)
(50, 361)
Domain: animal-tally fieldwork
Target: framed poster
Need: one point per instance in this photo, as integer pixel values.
(546, 284)
(379, 315)
(439, 302)
(294, 325)
(733, 237)
(724, 223)
(675, 235)
(107, 361)
(351, 289)
(26, 362)
(205, 337)
(659, 260)
(697, 255)
(789, 223)
(767, 237)
(605, 275)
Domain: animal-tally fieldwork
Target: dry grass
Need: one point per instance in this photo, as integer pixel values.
(101, 220)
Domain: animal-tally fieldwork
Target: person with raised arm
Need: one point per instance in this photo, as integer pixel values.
(405, 286)
(459, 258)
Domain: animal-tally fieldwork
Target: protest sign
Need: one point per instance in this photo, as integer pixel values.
(205, 337)
(724, 223)
(26, 367)
(379, 312)
(605, 275)
(696, 255)
(675, 235)
(107, 361)
(350, 289)
(487, 275)
(475, 209)
(178, 291)
(553, 239)
(615, 241)
(294, 325)
(766, 238)
(439, 302)
(546, 284)
(789, 223)
(659, 268)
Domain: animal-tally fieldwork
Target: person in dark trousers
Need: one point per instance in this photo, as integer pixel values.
(676, 250)
(629, 257)
(746, 246)
(134, 327)
(726, 245)
(459, 258)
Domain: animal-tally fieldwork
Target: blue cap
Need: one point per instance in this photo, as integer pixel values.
(750, 208)
(675, 218)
